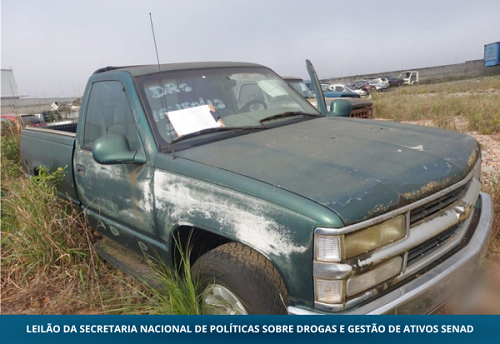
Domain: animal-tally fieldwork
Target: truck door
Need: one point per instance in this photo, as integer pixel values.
(117, 198)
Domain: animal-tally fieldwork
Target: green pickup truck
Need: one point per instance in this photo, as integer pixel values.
(286, 208)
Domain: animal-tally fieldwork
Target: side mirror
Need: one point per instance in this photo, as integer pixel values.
(113, 149)
(340, 108)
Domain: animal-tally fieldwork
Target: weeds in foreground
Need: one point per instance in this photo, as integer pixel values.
(493, 189)
(176, 291)
(49, 264)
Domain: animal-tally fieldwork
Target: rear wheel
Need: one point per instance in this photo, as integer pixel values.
(238, 280)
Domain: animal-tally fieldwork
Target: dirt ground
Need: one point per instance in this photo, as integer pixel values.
(490, 147)
(486, 299)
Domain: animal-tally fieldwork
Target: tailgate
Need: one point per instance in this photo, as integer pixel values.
(53, 149)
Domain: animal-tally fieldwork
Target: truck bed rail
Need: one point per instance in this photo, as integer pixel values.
(69, 127)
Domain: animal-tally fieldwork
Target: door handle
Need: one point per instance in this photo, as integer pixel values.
(80, 169)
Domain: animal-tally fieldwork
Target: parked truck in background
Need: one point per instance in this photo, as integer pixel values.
(409, 78)
(290, 210)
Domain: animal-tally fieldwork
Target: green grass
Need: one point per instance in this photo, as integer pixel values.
(177, 294)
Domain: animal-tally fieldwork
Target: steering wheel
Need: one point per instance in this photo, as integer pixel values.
(253, 105)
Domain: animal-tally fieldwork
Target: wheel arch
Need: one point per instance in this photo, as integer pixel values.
(198, 241)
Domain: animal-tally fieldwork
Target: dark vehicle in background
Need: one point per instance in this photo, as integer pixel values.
(23, 120)
(394, 81)
(362, 85)
(54, 117)
(50, 116)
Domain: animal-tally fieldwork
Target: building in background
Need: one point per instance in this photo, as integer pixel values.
(14, 103)
(9, 86)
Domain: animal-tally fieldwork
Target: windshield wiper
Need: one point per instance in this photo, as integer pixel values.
(214, 130)
(289, 114)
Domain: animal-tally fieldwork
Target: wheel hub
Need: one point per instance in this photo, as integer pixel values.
(217, 299)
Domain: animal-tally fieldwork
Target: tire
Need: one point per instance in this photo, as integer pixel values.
(245, 274)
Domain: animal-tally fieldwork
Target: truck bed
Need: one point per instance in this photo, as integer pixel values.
(67, 127)
(53, 147)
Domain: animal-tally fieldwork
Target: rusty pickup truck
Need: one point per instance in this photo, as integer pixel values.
(287, 209)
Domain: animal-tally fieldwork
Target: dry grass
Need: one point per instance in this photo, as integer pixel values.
(49, 264)
(476, 101)
(493, 189)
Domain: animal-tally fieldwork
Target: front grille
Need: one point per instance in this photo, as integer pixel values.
(430, 246)
(436, 205)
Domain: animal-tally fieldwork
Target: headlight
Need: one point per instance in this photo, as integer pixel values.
(330, 286)
(328, 248)
(329, 291)
(368, 239)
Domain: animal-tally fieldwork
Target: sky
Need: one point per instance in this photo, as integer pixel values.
(53, 46)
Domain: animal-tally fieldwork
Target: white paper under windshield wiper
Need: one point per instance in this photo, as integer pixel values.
(289, 114)
(213, 130)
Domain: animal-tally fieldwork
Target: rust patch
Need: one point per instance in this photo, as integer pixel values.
(472, 159)
(428, 188)
(379, 208)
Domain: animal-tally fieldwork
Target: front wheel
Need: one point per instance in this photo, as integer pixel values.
(238, 280)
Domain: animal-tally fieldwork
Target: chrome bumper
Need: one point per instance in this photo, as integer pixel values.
(426, 293)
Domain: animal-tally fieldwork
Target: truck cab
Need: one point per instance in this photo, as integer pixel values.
(409, 77)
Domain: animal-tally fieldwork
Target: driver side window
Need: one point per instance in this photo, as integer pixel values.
(109, 112)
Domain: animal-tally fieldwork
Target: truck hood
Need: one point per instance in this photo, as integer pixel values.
(357, 168)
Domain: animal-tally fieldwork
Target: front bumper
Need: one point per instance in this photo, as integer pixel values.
(429, 291)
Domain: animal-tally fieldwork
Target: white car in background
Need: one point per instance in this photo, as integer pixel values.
(379, 86)
(382, 80)
(344, 88)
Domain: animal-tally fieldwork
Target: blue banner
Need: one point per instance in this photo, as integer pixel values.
(264, 329)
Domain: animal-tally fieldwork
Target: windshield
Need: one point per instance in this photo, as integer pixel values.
(301, 87)
(234, 97)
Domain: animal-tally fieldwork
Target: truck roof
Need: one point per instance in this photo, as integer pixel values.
(166, 67)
